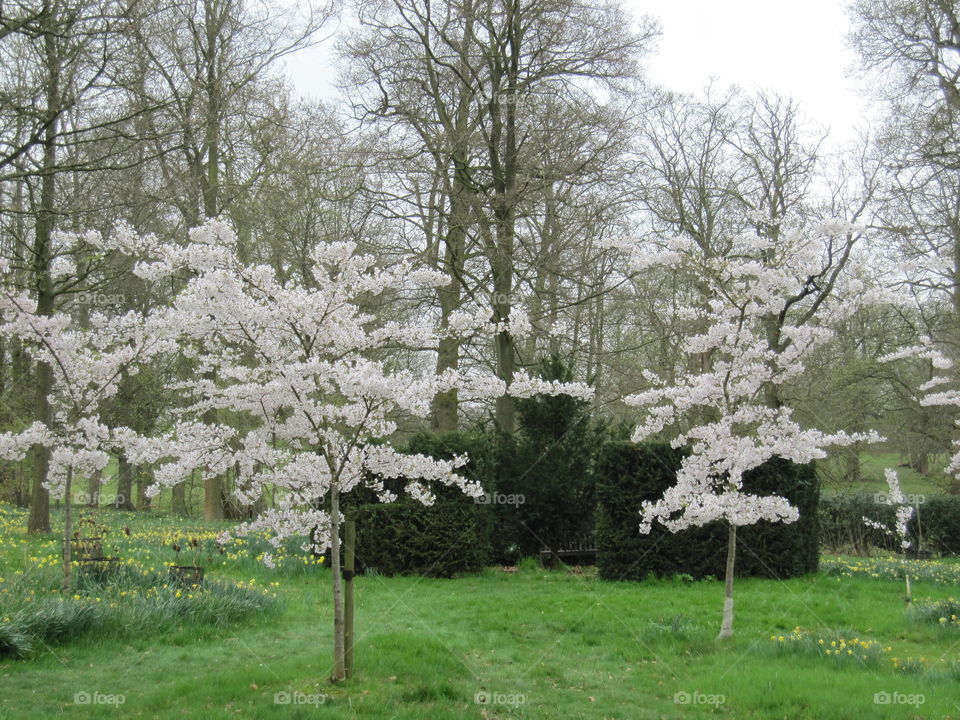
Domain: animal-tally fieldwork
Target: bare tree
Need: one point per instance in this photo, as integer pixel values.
(200, 63)
(469, 80)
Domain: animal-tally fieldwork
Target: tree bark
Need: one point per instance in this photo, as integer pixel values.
(854, 471)
(213, 499)
(143, 500)
(93, 489)
(350, 543)
(445, 404)
(124, 499)
(726, 629)
(67, 531)
(178, 501)
(339, 644)
(39, 519)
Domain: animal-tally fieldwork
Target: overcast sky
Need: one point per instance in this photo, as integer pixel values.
(796, 47)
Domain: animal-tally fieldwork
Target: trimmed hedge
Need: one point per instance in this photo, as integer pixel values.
(441, 540)
(842, 526)
(628, 474)
(548, 469)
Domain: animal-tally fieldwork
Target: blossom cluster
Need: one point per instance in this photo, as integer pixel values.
(87, 363)
(759, 315)
(294, 389)
(904, 511)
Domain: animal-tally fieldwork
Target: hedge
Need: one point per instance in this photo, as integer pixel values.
(441, 540)
(548, 469)
(628, 474)
(937, 524)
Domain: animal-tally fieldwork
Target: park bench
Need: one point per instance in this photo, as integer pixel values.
(580, 551)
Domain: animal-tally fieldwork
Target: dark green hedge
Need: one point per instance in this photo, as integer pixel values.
(438, 541)
(628, 474)
(548, 467)
(937, 524)
(441, 540)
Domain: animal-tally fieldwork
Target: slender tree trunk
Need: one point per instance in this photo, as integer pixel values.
(67, 531)
(350, 544)
(39, 519)
(212, 486)
(445, 404)
(726, 629)
(339, 644)
(771, 392)
(213, 491)
(504, 341)
(504, 165)
(544, 268)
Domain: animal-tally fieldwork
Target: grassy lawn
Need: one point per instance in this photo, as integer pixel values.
(911, 482)
(531, 644)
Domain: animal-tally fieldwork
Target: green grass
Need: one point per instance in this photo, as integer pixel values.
(539, 644)
(872, 467)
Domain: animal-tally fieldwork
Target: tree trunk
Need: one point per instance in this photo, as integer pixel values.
(726, 629)
(178, 501)
(854, 471)
(93, 489)
(212, 486)
(124, 499)
(504, 167)
(771, 392)
(445, 404)
(213, 498)
(67, 531)
(39, 520)
(339, 644)
(920, 461)
(213, 490)
(143, 500)
(350, 544)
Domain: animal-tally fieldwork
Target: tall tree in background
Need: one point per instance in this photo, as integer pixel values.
(58, 61)
(468, 81)
(201, 62)
(911, 54)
